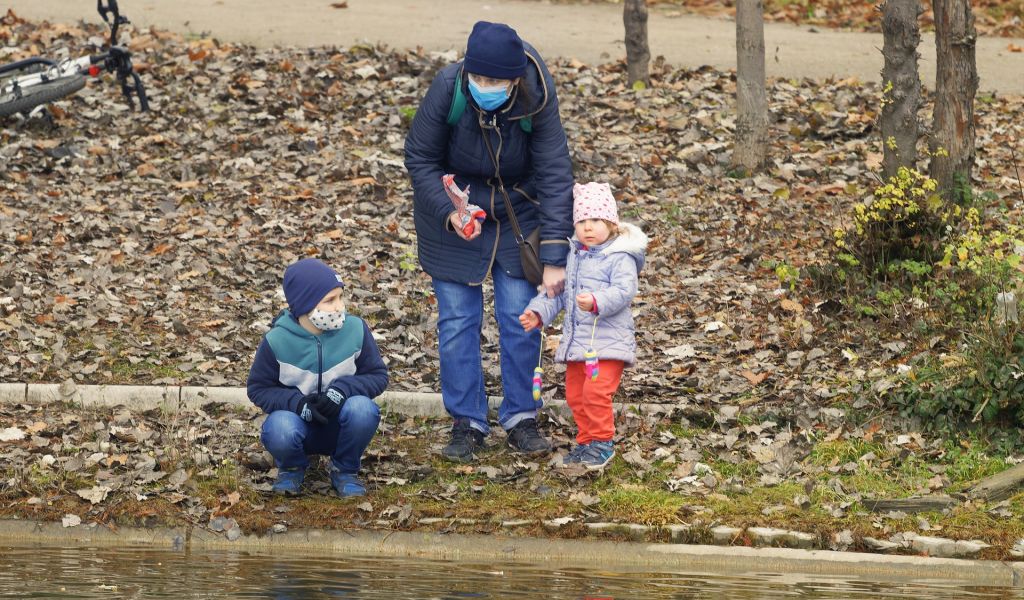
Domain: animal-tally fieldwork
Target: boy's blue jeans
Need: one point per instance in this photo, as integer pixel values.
(460, 310)
(289, 439)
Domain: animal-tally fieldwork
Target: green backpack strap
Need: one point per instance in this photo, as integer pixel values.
(459, 106)
(458, 102)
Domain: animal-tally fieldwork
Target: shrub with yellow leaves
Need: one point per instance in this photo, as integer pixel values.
(896, 234)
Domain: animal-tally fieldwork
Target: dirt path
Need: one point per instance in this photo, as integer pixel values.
(592, 33)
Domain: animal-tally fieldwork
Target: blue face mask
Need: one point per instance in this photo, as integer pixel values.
(488, 98)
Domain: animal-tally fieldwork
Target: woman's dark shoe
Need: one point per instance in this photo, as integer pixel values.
(465, 441)
(525, 438)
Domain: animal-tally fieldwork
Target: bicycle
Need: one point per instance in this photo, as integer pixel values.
(32, 82)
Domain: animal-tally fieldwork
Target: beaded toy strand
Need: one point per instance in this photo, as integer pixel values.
(538, 372)
(590, 356)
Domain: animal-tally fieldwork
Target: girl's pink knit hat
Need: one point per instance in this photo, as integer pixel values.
(593, 201)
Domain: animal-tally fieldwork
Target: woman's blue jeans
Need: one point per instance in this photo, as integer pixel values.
(460, 310)
(290, 440)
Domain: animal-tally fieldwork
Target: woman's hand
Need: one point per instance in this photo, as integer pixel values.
(457, 227)
(553, 280)
(529, 320)
(585, 301)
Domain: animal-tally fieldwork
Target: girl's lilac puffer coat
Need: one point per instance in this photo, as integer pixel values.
(609, 272)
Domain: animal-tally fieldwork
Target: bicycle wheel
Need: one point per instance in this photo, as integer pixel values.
(40, 94)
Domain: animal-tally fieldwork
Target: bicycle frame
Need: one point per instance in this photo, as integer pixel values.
(53, 71)
(116, 59)
(24, 64)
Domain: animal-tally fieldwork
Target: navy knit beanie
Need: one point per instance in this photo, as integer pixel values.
(495, 50)
(306, 282)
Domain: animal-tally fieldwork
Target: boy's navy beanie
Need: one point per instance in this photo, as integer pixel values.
(306, 282)
(495, 50)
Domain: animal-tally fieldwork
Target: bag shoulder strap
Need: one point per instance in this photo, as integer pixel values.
(516, 231)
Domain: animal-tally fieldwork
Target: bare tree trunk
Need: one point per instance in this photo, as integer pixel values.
(750, 148)
(638, 52)
(902, 84)
(956, 83)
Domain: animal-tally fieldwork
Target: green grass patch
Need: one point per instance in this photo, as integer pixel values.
(879, 484)
(639, 504)
(746, 508)
(681, 431)
(840, 452)
(967, 465)
(146, 369)
(745, 470)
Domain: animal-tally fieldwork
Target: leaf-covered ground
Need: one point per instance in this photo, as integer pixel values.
(148, 248)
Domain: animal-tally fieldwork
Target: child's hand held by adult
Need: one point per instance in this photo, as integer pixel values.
(553, 280)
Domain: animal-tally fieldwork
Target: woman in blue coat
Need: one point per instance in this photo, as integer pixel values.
(492, 121)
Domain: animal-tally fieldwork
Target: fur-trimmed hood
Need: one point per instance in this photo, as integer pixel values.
(631, 240)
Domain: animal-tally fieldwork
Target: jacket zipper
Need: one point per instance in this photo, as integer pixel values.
(572, 297)
(319, 365)
(497, 161)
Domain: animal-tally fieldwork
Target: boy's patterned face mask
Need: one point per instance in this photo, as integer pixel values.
(327, 321)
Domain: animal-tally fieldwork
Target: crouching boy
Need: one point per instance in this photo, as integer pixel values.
(316, 373)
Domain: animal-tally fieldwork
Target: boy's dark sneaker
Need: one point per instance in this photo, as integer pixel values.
(289, 481)
(525, 438)
(465, 441)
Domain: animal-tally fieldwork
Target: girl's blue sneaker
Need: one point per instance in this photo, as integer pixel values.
(289, 481)
(597, 455)
(573, 457)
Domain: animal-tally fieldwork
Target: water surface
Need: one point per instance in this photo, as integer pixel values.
(109, 573)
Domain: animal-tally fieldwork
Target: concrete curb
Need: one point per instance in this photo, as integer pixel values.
(177, 398)
(677, 557)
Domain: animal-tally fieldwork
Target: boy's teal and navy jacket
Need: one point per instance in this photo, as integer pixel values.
(534, 165)
(291, 363)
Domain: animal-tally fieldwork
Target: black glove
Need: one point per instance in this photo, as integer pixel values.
(329, 403)
(308, 410)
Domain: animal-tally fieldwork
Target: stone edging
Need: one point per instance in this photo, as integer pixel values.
(176, 398)
(762, 537)
(678, 557)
